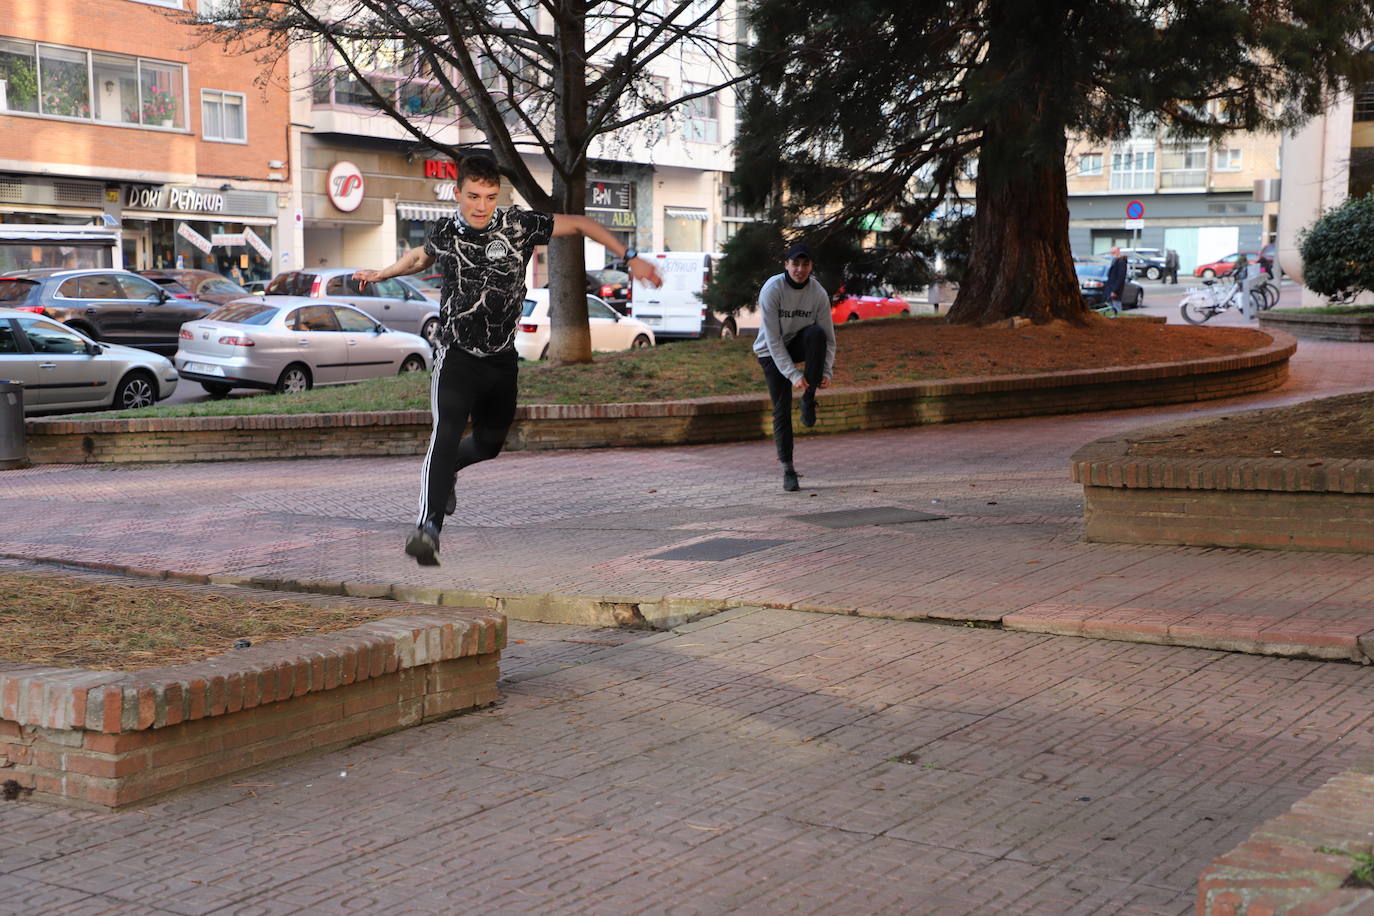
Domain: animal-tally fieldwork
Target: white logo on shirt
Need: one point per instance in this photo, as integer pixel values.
(497, 250)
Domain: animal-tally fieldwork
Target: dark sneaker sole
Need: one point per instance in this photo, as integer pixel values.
(422, 547)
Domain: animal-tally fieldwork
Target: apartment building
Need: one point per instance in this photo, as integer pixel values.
(153, 152)
(657, 186)
(1196, 198)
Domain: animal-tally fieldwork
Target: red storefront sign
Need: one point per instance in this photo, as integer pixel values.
(441, 168)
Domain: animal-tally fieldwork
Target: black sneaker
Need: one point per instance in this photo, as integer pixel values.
(423, 544)
(808, 407)
(789, 480)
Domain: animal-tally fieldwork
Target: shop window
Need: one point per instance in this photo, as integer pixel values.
(222, 116)
(19, 76)
(63, 83)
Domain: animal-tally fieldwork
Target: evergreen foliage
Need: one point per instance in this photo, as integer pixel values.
(1338, 251)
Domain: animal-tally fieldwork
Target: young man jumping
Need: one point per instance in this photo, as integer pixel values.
(796, 327)
(482, 253)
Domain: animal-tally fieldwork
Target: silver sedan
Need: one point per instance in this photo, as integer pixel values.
(62, 369)
(292, 343)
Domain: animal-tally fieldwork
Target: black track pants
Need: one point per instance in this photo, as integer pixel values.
(465, 386)
(807, 348)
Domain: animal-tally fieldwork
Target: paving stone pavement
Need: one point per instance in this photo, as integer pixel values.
(758, 761)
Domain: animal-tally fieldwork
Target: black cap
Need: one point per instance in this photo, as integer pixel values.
(798, 250)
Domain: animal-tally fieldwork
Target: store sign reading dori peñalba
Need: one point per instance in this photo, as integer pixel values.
(345, 186)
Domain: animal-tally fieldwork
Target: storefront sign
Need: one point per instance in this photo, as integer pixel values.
(448, 191)
(441, 168)
(227, 240)
(257, 244)
(610, 195)
(194, 237)
(153, 197)
(619, 220)
(345, 186)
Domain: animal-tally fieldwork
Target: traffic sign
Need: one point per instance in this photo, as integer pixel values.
(1135, 210)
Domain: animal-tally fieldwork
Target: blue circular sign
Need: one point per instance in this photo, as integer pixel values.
(1135, 210)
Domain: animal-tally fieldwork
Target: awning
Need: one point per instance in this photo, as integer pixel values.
(679, 213)
(38, 232)
(423, 212)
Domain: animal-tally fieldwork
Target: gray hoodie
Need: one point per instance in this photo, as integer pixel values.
(785, 312)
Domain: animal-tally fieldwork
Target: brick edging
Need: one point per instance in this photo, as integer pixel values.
(702, 420)
(1321, 327)
(1278, 869)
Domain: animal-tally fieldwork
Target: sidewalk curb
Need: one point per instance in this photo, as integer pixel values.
(1246, 635)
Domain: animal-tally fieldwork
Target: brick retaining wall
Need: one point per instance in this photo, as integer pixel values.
(704, 420)
(1287, 503)
(1320, 327)
(106, 739)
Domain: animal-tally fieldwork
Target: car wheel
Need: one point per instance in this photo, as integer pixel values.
(1139, 302)
(294, 379)
(412, 363)
(852, 317)
(905, 313)
(1209, 274)
(137, 389)
(544, 353)
(728, 329)
(1152, 273)
(430, 332)
(640, 342)
(217, 389)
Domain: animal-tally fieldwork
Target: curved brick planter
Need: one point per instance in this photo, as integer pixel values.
(1320, 327)
(1281, 503)
(107, 739)
(718, 419)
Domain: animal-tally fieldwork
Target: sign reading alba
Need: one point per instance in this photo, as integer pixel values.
(345, 186)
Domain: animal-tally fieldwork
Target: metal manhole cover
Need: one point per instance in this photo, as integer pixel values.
(715, 549)
(880, 515)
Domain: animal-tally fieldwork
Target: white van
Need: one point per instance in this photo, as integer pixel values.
(675, 309)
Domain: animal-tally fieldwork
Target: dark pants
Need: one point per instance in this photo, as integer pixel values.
(807, 348)
(1171, 275)
(463, 386)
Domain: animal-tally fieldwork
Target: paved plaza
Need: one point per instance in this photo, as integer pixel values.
(764, 759)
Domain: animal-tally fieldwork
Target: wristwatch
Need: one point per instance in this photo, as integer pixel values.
(630, 255)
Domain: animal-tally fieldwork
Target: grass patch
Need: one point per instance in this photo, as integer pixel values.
(1328, 310)
(1362, 875)
(75, 623)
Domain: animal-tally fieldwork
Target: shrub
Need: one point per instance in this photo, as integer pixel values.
(1338, 250)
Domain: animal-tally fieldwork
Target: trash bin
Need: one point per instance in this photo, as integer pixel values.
(14, 451)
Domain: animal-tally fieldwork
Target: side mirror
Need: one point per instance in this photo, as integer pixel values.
(379, 329)
(94, 349)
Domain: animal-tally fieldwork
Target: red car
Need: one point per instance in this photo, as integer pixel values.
(1224, 266)
(844, 307)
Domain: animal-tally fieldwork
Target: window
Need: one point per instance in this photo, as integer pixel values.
(1227, 160)
(218, 9)
(140, 289)
(75, 83)
(1183, 166)
(702, 123)
(1089, 164)
(351, 320)
(1132, 170)
(312, 318)
(222, 116)
(49, 337)
(1364, 103)
(8, 343)
(97, 286)
(398, 72)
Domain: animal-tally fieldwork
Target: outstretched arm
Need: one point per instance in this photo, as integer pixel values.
(563, 224)
(413, 261)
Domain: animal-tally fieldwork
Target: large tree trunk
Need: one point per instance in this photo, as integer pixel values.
(1021, 264)
(570, 336)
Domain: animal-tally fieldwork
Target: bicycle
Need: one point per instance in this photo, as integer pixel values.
(1202, 305)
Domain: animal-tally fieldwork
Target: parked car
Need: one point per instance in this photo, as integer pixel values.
(112, 306)
(610, 329)
(293, 343)
(255, 287)
(429, 284)
(1092, 279)
(611, 285)
(844, 307)
(394, 302)
(1223, 266)
(63, 369)
(196, 285)
(1145, 262)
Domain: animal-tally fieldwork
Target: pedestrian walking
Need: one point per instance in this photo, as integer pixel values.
(1115, 284)
(795, 328)
(482, 253)
(1170, 266)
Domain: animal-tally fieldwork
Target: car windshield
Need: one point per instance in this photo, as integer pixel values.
(1091, 270)
(14, 289)
(291, 284)
(244, 313)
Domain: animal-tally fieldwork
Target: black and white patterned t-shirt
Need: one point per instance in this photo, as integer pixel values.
(483, 290)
